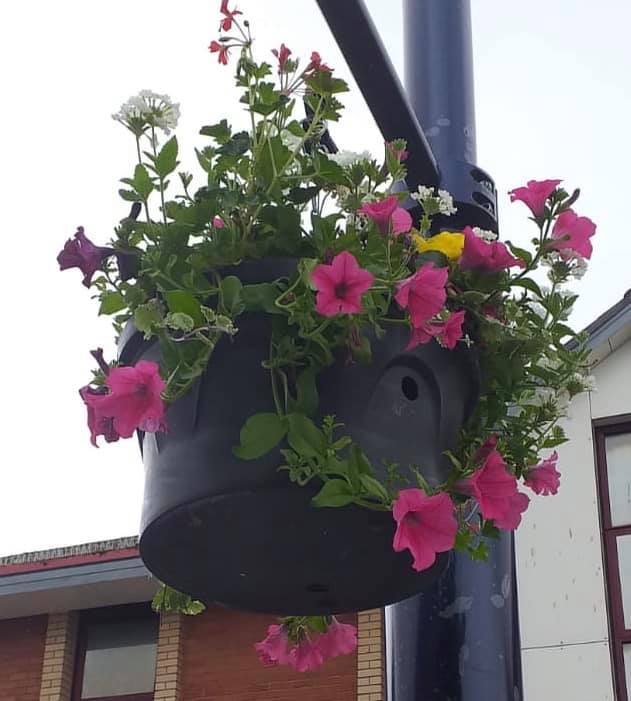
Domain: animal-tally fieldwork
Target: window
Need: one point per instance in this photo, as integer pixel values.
(116, 656)
(613, 455)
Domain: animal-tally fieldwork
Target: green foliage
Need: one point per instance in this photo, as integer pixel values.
(168, 600)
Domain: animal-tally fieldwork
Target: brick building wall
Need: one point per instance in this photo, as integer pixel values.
(219, 663)
(21, 653)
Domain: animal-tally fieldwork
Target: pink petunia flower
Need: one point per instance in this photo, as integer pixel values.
(544, 478)
(488, 256)
(98, 424)
(387, 215)
(218, 223)
(306, 655)
(340, 285)
(492, 486)
(133, 402)
(80, 252)
(534, 194)
(282, 55)
(511, 518)
(571, 235)
(485, 450)
(425, 525)
(423, 294)
(423, 334)
(275, 648)
(451, 331)
(339, 639)
(229, 16)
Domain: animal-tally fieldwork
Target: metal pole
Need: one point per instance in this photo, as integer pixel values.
(460, 640)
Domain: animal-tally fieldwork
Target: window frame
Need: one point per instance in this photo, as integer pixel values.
(109, 614)
(619, 636)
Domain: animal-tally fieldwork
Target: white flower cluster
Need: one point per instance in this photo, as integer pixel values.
(576, 263)
(588, 382)
(443, 199)
(149, 109)
(485, 234)
(349, 158)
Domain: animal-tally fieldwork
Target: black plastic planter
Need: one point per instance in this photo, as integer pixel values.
(238, 532)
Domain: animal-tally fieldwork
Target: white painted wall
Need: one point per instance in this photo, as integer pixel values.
(563, 617)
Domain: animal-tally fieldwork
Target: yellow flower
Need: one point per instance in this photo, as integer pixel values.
(448, 243)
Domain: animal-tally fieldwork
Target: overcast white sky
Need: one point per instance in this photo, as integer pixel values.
(553, 100)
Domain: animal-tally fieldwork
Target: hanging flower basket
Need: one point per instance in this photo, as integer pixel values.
(330, 393)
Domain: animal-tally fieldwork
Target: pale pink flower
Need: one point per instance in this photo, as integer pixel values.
(426, 525)
(340, 285)
(544, 478)
(534, 194)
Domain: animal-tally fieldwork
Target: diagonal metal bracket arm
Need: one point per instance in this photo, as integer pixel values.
(357, 37)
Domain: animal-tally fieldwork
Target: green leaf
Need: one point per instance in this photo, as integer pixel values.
(304, 436)
(129, 195)
(180, 301)
(261, 297)
(237, 146)
(522, 253)
(231, 295)
(259, 435)
(334, 493)
(168, 600)
(329, 170)
(306, 392)
(323, 83)
(166, 162)
(148, 317)
(301, 195)
(221, 132)
(112, 302)
(374, 487)
(142, 182)
(528, 284)
(180, 321)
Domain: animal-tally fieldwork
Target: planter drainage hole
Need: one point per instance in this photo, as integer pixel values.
(317, 588)
(409, 387)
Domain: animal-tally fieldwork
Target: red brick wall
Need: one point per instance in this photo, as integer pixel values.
(219, 663)
(21, 655)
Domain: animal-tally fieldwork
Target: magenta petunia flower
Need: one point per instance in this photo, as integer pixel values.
(218, 223)
(544, 478)
(451, 331)
(511, 518)
(340, 285)
(275, 648)
(387, 215)
(490, 257)
(401, 221)
(133, 401)
(423, 334)
(534, 194)
(492, 486)
(423, 294)
(98, 423)
(339, 639)
(425, 525)
(306, 655)
(571, 235)
(80, 252)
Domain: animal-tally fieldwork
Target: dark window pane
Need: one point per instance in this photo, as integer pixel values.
(618, 450)
(120, 658)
